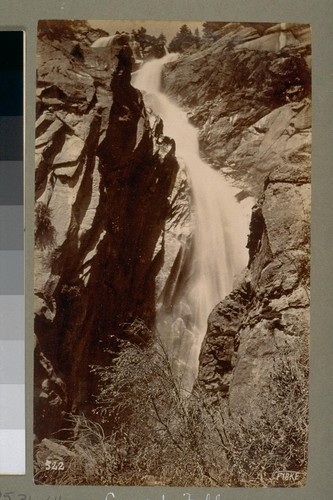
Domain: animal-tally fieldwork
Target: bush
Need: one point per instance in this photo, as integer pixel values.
(152, 431)
(89, 457)
(160, 429)
(44, 230)
(275, 440)
(182, 439)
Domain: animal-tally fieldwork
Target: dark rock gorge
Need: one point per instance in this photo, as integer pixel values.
(108, 187)
(104, 173)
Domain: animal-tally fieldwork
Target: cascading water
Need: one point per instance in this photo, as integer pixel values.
(218, 249)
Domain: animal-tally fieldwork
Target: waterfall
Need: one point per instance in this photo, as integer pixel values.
(218, 250)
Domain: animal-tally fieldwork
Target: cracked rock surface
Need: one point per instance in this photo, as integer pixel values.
(269, 309)
(104, 174)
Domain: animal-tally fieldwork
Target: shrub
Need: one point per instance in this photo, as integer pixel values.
(181, 439)
(44, 230)
(140, 396)
(89, 457)
(152, 431)
(274, 438)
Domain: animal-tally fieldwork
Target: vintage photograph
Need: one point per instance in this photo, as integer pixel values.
(172, 253)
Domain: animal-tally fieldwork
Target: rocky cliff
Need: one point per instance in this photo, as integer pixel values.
(104, 173)
(267, 314)
(249, 94)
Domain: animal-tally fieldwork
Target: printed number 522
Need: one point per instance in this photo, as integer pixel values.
(54, 465)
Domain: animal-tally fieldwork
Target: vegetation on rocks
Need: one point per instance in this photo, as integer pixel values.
(152, 432)
(44, 230)
(63, 28)
(151, 46)
(184, 39)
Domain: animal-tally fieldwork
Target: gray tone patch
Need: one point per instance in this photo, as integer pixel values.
(12, 362)
(11, 137)
(11, 227)
(12, 406)
(11, 182)
(11, 272)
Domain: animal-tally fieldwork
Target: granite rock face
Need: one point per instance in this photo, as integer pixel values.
(268, 312)
(104, 174)
(249, 95)
(248, 92)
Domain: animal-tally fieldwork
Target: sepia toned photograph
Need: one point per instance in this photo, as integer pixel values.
(172, 253)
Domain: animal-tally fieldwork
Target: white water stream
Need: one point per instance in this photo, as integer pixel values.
(218, 250)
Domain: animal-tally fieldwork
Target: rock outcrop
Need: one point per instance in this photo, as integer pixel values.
(104, 174)
(268, 312)
(248, 93)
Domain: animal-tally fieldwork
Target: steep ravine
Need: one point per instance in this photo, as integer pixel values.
(104, 172)
(249, 94)
(113, 211)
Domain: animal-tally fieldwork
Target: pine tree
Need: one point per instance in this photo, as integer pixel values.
(184, 39)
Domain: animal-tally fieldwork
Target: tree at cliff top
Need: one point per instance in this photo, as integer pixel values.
(149, 44)
(184, 40)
